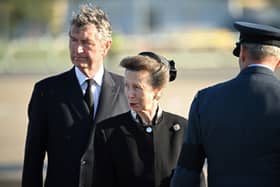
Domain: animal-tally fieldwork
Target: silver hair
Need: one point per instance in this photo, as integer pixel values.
(259, 51)
(89, 14)
(159, 72)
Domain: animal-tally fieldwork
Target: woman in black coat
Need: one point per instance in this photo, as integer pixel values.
(140, 148)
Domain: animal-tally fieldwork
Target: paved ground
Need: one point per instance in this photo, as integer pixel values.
(16, 91)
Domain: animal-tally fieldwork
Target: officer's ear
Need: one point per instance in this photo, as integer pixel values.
(278, 63)
(242, 54)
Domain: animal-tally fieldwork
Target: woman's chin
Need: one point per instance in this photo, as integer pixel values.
(134, 108)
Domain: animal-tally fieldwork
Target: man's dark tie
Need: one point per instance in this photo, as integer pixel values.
(89, 95)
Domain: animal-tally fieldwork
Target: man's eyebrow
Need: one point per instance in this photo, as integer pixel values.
(71, 36)
(88, 40)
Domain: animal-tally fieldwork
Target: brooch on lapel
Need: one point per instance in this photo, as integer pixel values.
(176, 127)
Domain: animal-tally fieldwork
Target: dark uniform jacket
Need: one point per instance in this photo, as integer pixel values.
(236, 126)
(129, 155)
(60, 125)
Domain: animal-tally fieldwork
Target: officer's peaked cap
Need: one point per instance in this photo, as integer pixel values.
(257, 34)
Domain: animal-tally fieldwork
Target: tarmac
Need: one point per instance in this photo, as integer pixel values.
(17, 89)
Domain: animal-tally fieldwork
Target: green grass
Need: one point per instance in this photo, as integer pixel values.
(45, 55)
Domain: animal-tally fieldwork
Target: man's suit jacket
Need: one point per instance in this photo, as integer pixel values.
(60, 125)
(236, 126)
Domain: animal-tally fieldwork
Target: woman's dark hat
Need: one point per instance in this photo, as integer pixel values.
(163, 60)
(257, 34)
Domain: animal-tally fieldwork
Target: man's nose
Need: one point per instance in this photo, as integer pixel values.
(80, 49)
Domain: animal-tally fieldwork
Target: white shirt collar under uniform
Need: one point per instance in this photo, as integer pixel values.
(96, 88)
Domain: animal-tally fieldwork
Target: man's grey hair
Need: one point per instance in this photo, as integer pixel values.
(260, 51)
(89, 14)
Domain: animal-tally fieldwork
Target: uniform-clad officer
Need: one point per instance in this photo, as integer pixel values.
(235, 125)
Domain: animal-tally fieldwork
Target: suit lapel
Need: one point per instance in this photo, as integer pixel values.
(108, 96)
(75, 95)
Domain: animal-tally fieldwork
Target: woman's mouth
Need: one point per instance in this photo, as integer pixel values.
(132, 104)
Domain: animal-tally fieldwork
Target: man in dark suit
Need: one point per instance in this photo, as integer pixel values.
(235, 125)
(64, 109)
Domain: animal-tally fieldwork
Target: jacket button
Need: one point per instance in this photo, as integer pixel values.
(83, 162)
(149, 130)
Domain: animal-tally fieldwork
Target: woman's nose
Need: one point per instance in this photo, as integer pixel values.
(129, 93)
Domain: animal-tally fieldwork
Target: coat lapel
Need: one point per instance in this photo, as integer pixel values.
(108, 96)
(75, 95)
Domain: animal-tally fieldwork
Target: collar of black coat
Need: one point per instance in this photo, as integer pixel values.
(139, 120)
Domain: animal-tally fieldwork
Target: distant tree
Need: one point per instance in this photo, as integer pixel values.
(275, 2)
(43, 12)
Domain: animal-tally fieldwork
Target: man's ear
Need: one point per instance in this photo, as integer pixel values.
(106, 47)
